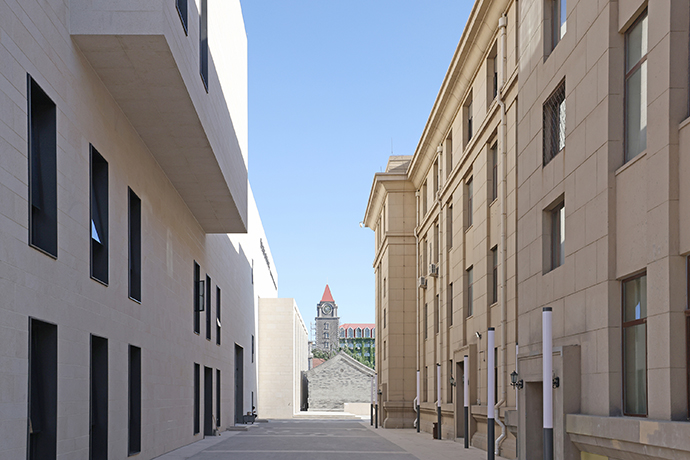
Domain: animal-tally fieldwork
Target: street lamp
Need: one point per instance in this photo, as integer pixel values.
(515, 382)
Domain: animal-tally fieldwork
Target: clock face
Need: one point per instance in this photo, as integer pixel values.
(327, 309)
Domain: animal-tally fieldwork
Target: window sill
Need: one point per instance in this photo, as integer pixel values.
(631, 162)
(551, 270)
(469, 228)
(99, 281)
(134, 300)
(52, 256)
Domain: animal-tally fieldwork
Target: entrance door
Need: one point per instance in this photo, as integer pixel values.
(534, 419)
(208, 401)
(459, 400)
(239, 384)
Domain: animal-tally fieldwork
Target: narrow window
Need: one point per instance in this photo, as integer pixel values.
(687, 330)
(99, 217)
(218, 405)
(384, 318)
(494, 274)
(450, 304)
(208, 307)
(636, 89)
(450, 376)
(42, 390)
(218, 327)
(437, 245)
(494, 171)
(554, 124)
(426, 321)
(384, 349)
(384, 287)
(470, 198)
(325, 326)
(449, 227)
(42, 170)
(134, 246)
(425, 391)
(198, 304)
(203, 43)
(557, 235)
(556, 12)
(325, 335)
(208, 401)
(635, 346)
(470, 297)
(492, 75)
(253, 347)
(496, 374)
(197, 405)
(469, 118)
(424, 199)
(134, 400)
(448, 152)
(437, 314)
(182, 11)
(98, 435)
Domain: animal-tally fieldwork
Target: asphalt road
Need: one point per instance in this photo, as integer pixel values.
(305, 440)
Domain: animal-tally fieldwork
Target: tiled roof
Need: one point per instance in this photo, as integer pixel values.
(358, 325)
(327, 297)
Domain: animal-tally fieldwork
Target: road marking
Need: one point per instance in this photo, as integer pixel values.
(207, 451)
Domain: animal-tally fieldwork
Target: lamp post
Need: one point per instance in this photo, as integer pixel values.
(438, 397)
(466, 368)
(417, 404)
(490, 384)
(376, 402)
(547, 372)
(371, 415)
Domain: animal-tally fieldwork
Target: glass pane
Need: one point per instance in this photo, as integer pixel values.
(635, 361)
(561, 126)
(635, 299)
(564, 14)
(636, 44)
(636, 113)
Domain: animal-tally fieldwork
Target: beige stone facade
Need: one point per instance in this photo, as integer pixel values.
(283, 357)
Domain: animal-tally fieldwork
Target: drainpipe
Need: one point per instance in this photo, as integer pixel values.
(416, 280)
(438, 396)
(466, 368)
(490, 385)
(416, 403)
(371, 418)
(376, 403)
(503, 139)
(547, 372)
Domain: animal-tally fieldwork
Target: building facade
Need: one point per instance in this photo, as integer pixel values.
(327, 322)
(338, 381)
(128, 323)
(359, 339)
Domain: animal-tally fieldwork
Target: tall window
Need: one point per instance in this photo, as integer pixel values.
(554, 124)
(99, 217)
(470, 199)
(182, 11)
(425, 382)
(384, 318)
(42, 170)
(450, 304)
(134, 246)
(426, 321)
(98, 401)
(492, 75)
(448, 152)
(449, 227)
(470, 296)
(494, 171)
(198, 298)
(134, 400)
(424, 199)
(203, 43)
(635, 346)
(437, 181)
(437, 245)
(197, 402)
(494, 274)
(437, 315)
(325, 326)
(636, 89)
(557, 235)
(469, 120)
(557, 11)
(218, 326)
(208, 307)
(43, 390)
(218, 400)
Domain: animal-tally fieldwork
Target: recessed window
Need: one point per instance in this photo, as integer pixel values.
(218, 405)
(182, 11)
(449, 226)
(635, 346)
(203, 43)
(636, 89)
(198, 303)
(426, 321)
(134, 246)
(494, 274)
(424, 199)
(42, 390)
(437, 179)
(98, 434)
(253, 347)
(554, 124)
(197, 402)
(134, 400)
(469, 119)
(556, 14)
(42, 170)
(470, 294)
(469, 192)
(448, 152)
(384, 317)
(325, 326)
(425, 384)
(208, 307)
(492, 74)
(218, 324)
(450, 304)
(437, 315)
(555, 222)
(493, 157)
(99, 217)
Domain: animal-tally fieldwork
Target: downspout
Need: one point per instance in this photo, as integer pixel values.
(418, 418)
(503, 139)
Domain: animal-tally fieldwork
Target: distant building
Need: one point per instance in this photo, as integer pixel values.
(337, 381)
(360, 339)
(327, 321)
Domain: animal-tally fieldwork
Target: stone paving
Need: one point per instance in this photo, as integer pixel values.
(323, 440)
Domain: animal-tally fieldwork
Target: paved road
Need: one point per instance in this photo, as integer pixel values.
(305, 440)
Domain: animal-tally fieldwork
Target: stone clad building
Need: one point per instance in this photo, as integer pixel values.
(327, 322)
(360, 340)
(337, 381)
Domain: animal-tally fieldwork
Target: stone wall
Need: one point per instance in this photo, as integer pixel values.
(339, 380)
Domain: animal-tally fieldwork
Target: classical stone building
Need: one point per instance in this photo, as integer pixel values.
(128, 319)
(327, 321)
(337, 381)
(360, 340)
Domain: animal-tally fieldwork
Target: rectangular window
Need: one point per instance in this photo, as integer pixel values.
(134, 437)
(134, 246)
(424, 199)
(556, 12)
(98, 434)
(494, 171)
(253, 347)
(494, 274)
(437, 315)
(450, 387)
(635, 346)
(470, 296)
(436, 177)
(42, 390)
(557, 234)
(384, 349)
(437, 244)
(448, 152)
(496, 374)
(425, 382)
(636, 88)
(99, 217)
(42, 169)
(218, 316)
(197, 402)
(492, 74)
(384, 287)
(450, 304)
(218, 405)
(469, 120)
(198, 303)
(554, 124)
(449, 227)
(203, 43)
(470, 199)
(182, 11)
(426, 321)
(208, 307)
(384, 318)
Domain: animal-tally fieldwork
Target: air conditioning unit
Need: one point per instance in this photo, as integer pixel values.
(422, 282)
(433, 270)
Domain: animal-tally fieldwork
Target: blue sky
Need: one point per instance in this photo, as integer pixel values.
(332, 84)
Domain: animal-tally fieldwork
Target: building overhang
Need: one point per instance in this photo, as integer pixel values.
(151, 68)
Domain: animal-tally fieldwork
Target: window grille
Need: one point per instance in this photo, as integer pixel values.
(554, 124)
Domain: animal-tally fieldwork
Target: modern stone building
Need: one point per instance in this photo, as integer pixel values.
(590, 219)
(283, 357)
(128, 318)
(327, 321)
(338, 381)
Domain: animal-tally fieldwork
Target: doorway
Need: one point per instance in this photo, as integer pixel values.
(239, 384)
(534, 419)
(42, 390)
(208, 401)
(98, 439)
(459, 400)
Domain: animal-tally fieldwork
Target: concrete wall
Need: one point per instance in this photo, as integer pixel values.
(339, 380)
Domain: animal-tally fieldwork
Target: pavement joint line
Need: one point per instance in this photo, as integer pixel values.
(400, 452)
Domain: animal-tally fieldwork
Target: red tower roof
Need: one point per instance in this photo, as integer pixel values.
(327, 297)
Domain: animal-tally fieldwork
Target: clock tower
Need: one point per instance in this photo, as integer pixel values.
(327, 323)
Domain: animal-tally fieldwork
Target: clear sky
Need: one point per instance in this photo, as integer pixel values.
(334, 85)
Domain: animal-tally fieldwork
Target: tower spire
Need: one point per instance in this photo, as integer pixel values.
(327, 297)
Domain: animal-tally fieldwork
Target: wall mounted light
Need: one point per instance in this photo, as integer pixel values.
(479, 336)
(514, 382)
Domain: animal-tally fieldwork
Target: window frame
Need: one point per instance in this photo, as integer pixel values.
(134, 223)
(557, 248)
(99, 200)
(470, 291)
(203, 44)
(631, 324)
(627, 75)
(184, 15)
(554, 119)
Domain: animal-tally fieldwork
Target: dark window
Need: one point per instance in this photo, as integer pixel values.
(208, 401)
(470, 118)
(425, 382)
(99, 217)
(635, 346)
(424, 199)
(203, 43)
(426, 320)
(554, 124)
(98, 439)
(450, 304)
(437, 315)
(449, 227)
(42, 390)
(636, 48)
(197, 389)
(218, 315)
(557, 216)
(492, 74)
(208, 307)
(134, 246)
(384, 317)
(450, 376)
(253, 347)
(42, 170)
(470, 296)
(198, 298)
(134, 400)
(494, 274)
(496, 374)
(182, 11)
(494, 172)
(449, 153)
(470, 199)
(218, 405)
